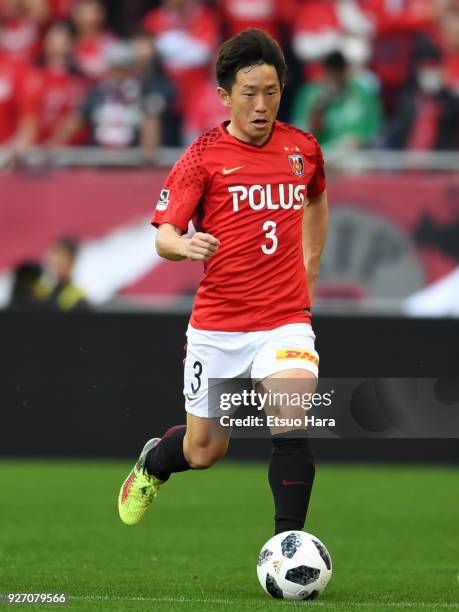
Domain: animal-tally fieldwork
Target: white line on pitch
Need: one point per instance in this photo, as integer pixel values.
(351, 604)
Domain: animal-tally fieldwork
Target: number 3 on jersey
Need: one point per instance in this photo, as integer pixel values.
(270, 228)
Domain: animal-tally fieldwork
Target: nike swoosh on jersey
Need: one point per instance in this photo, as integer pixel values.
(230, 170)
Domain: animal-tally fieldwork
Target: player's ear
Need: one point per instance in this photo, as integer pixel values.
(224, 97)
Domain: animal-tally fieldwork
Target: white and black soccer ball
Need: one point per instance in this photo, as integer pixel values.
(294, 565)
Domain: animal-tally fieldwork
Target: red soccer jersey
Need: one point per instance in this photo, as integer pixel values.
(20, 38)
(251, 198)
(90, 54)
(267, 15)
(13, 102)
(53, 93)
(60, 9)
(186, 40)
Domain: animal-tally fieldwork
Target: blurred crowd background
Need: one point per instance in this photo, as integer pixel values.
(362, 73)
(98, 99)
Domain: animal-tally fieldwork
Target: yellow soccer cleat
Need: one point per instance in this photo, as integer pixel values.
(139, 489)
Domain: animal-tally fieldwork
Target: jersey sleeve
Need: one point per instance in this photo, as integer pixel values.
(317, 184)
(182, 190)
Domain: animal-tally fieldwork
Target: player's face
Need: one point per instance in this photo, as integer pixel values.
(254, 102)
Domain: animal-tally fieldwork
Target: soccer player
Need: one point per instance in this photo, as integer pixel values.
(255, 190)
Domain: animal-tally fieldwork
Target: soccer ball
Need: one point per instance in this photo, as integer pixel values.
(294, 565)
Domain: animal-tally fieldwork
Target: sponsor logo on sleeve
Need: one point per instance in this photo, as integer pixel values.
(163, 200)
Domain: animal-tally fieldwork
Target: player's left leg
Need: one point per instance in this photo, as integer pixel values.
(291, 469)
(287, 364)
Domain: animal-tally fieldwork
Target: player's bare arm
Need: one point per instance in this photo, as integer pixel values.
(171, 245)
(315, 227)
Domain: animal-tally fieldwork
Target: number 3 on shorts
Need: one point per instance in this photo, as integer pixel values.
(197, 367)
(270, 228)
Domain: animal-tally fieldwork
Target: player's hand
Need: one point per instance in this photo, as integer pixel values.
(201, 246)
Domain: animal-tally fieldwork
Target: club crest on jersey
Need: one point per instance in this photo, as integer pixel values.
(296, 164)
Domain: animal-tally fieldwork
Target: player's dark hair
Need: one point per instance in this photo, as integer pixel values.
(248, 48)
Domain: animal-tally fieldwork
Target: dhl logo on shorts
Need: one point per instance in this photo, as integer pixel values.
(297, 354)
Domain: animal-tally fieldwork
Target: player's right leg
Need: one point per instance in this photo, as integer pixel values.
(139, 489)
(196, 446)
(203, 440)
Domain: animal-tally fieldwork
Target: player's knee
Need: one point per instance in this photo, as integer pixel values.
(201, 461)
(201, 458)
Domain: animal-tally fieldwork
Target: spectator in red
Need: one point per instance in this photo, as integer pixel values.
(397, 24)
(427, 115)
(325, 26)
(443, 38)
(119, 110)
(92, 39)
(186, 35)
(450, 46)
(205, 115)
(56, 89)
(22, 23)
(402, 16)
(272, 16)
(60, 9)
(157, 89)
(17, 119)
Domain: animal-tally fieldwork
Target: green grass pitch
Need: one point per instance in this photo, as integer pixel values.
(392, 533)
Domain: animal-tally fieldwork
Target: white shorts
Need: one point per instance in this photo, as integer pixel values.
(249, 355)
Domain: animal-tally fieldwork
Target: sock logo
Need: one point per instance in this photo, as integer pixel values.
(295, 482)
